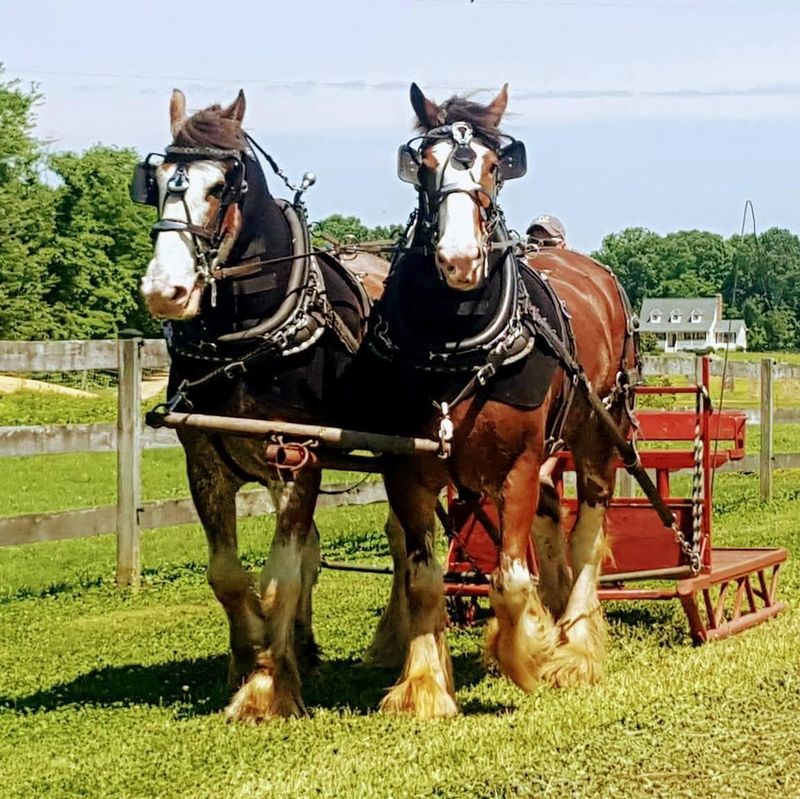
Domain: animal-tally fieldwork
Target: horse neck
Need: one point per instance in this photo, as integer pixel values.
(265, 232)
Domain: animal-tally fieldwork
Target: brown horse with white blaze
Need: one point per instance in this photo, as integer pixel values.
(553, 632)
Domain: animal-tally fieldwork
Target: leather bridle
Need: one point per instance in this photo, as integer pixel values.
(432, 198)
(206, 241)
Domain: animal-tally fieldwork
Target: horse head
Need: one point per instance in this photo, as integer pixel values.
(198, 188)
(458, 167)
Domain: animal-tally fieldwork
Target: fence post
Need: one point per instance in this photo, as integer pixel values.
(129, 453)
(625, 485)
(767, 410)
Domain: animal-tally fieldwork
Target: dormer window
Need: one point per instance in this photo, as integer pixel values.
(674, 315)
(695, 316)
(655, 316)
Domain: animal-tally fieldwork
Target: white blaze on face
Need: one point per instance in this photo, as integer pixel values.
(170, 285)
(459, 253)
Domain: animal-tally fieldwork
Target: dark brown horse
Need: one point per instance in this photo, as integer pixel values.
(261, 327)
(439, 326)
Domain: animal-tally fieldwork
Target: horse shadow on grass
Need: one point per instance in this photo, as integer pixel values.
(196, 687)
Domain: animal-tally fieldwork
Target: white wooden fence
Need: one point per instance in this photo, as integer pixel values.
(128, 437)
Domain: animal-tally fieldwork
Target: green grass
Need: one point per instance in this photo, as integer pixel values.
(106, 693)
(35, 407)
(779, 356)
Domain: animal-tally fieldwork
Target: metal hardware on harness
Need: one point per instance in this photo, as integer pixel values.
(289, 456)
(446, 430)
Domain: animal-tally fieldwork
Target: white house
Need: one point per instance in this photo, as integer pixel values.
(691, 323)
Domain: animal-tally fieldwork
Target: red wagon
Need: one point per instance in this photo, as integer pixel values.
(726, 591)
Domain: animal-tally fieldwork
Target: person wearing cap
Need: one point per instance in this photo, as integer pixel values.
(547, 231)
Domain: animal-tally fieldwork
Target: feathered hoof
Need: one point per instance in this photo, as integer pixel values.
(572, 665)
(581, 654)
(521, 650)
(521, 637)
(421, 696)
(269, 693)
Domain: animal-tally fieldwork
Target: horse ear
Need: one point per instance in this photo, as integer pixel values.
(235, 110)
(497, 107)
(428, 113)
(177, 111)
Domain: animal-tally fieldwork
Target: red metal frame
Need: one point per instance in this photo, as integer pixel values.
(735, 589)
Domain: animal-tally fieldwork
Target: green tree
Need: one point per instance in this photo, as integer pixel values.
(350, 228)
(101, 245)
(635, 255)
(25, 221)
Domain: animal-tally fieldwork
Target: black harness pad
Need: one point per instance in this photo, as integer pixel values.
(525, 384)
(305, 381)
(418, 306)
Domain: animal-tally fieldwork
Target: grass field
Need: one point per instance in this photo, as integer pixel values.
(106, 693)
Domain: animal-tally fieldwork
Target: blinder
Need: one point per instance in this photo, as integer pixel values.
(144, 188)
(408, 164)
(513, 162)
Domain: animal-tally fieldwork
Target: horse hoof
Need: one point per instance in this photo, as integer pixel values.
(421, 696)
(573, 665)
(269, 693)
(521, 637)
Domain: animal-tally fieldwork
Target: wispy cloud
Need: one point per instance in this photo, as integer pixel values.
(778, 90)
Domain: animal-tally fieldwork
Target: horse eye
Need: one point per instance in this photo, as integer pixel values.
(216, 191)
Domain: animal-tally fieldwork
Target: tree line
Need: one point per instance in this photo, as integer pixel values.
(73, 247)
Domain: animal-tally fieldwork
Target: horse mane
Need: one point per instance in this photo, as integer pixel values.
(461, 109)
(208, 128)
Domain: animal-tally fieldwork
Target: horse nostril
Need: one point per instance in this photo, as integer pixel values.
(179, 294)
(451, 269)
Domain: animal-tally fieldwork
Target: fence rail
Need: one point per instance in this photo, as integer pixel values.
(33, 527)
(128, 437)
(75, 356)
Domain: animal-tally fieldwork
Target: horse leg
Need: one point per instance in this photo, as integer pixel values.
(521, 636)
(550, 544)
(213, 487)
(273, 690)
(390, 642)
(580, 654)
(425, 688)
(305, 643)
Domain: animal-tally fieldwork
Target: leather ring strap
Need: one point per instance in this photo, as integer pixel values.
(237, 271)
(181, 226)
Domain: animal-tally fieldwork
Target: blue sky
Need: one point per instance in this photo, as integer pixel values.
(655, 113)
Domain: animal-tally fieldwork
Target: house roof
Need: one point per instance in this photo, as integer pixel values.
(704, 306)
(730, 326)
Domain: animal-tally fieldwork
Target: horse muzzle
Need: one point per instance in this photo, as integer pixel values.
(464, 271)
(173, 302)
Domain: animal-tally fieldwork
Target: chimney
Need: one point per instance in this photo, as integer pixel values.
(718, 298)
